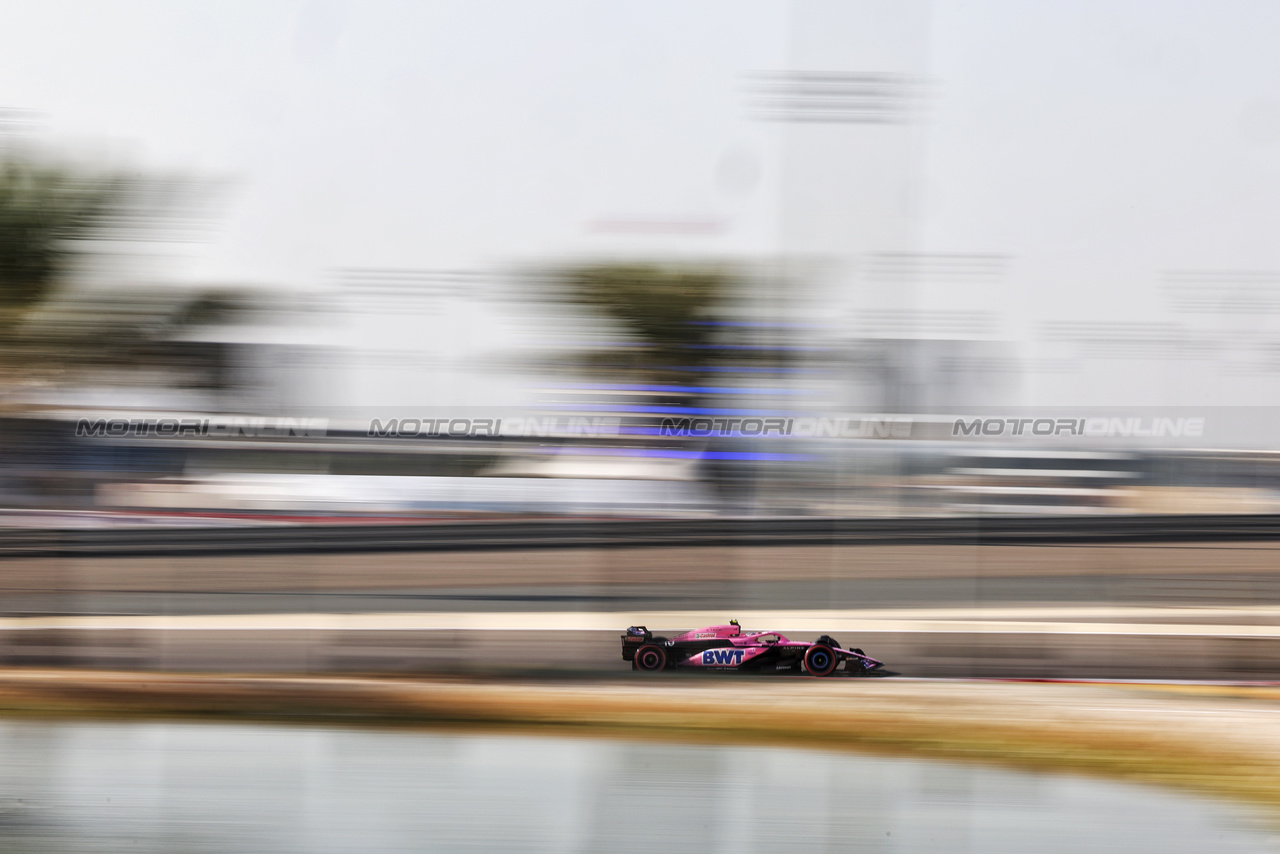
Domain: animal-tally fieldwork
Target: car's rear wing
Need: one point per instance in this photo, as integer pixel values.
(635, 637)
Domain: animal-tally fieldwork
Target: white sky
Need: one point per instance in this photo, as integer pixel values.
(1095, 143)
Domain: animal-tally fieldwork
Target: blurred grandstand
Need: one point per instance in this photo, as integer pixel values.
(787, 417)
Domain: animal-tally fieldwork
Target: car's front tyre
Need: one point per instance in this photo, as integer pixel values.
(819, 660)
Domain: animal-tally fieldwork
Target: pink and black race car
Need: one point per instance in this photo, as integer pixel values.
(730, 648)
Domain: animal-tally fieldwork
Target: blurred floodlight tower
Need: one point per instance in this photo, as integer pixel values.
(850, 148)
(898, 326)
(853, 108)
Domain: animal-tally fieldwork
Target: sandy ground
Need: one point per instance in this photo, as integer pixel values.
(1215, 738)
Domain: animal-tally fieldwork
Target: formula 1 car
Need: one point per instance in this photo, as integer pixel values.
(729, 648)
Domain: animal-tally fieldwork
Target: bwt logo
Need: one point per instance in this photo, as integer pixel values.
(723, 656)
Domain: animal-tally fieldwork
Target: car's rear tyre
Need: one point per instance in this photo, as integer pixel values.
(819, 660)
(650, 658)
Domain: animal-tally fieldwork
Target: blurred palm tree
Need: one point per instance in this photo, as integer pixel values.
(46, 212)
(668, 311)
(59, 221)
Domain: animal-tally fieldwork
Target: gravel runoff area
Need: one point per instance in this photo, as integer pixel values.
(1220, 739)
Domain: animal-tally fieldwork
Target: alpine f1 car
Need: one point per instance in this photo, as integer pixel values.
(730, 648)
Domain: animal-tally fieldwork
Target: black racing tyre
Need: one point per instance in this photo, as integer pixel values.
(650, 658)
(819, 660)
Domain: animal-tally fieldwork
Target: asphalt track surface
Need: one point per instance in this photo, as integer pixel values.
(928, 604)
(1066, 643)
(596, 534)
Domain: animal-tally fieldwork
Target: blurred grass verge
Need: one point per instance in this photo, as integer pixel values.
(1220, 740)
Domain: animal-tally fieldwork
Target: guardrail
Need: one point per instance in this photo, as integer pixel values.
(560, 534)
